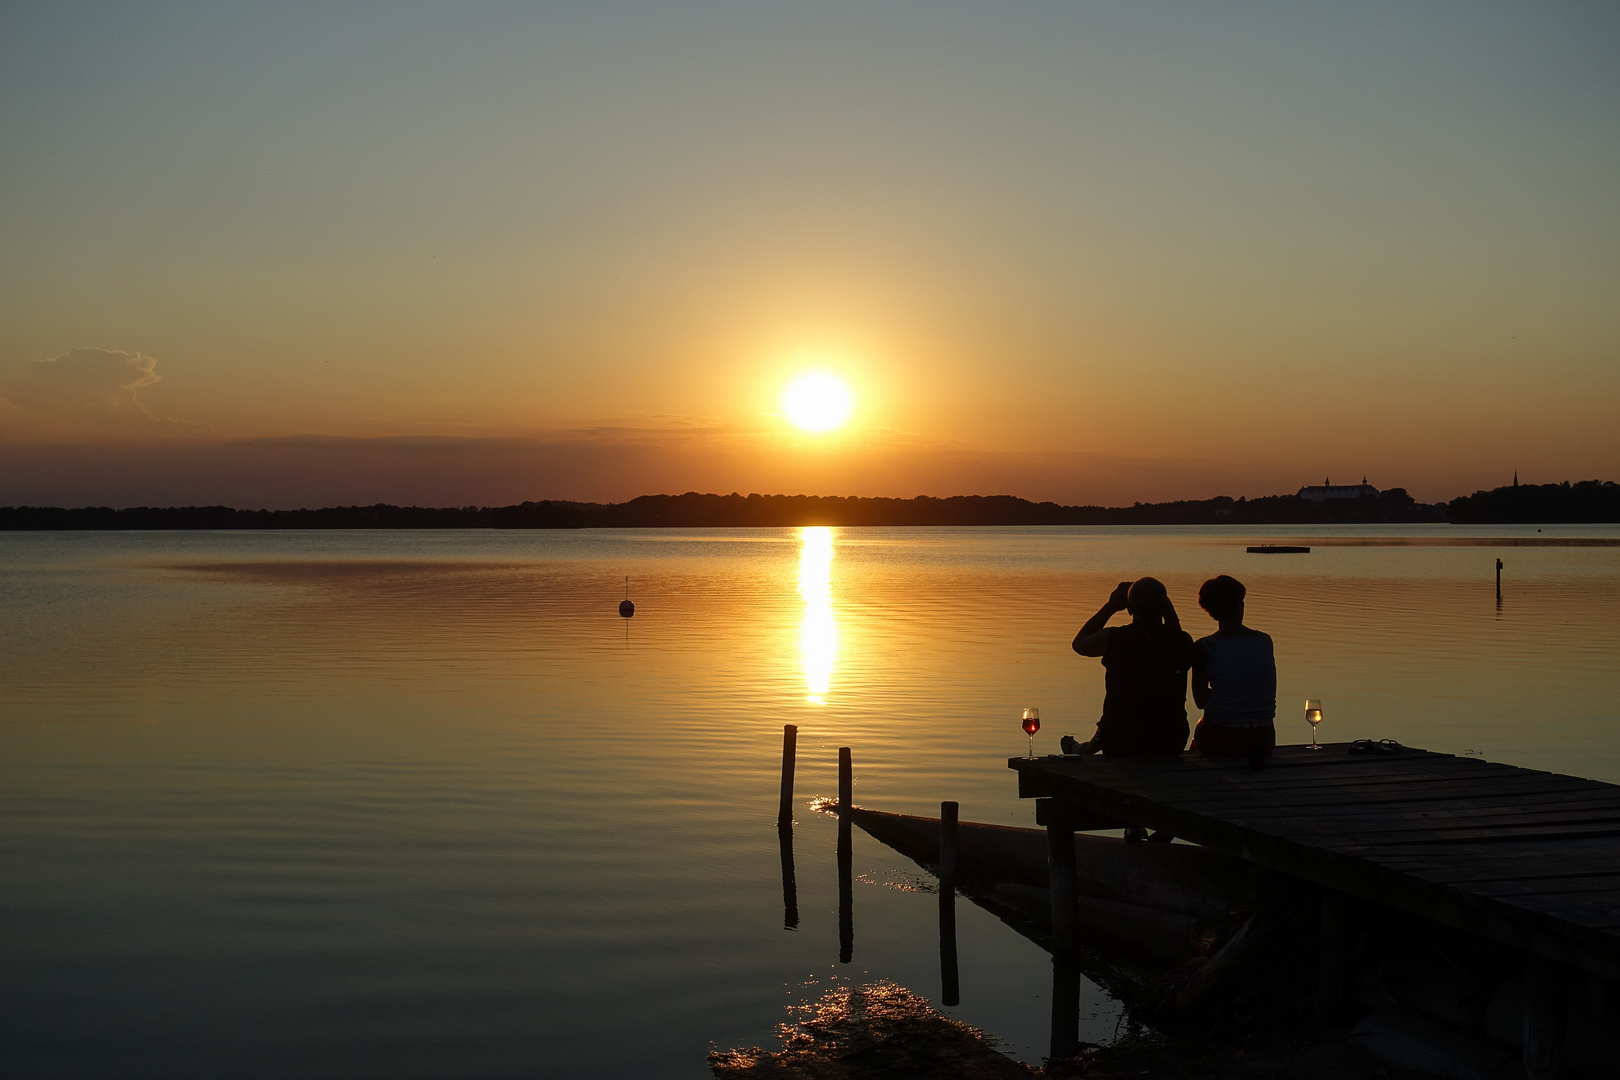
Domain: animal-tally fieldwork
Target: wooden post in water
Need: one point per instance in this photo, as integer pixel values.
(1060, 874)
(1498, 581)
(846, 860)
(949, 977)
(784, 828)
(846, 783)
(790, 749)
(1545, 1005)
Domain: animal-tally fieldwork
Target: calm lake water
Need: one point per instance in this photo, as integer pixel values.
(422, 804)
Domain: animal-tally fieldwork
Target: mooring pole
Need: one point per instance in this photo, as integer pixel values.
(1498, 581)
(846, 859)
(846, 783)
(950, 982)
(790, 749)
(1060, 874)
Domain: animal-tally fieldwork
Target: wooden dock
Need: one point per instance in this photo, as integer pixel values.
(1525, 858)
(1528, 858)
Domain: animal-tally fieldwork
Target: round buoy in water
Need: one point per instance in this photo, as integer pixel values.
(626, 608)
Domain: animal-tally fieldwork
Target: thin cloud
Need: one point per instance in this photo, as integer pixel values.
(88, 391)
(85, 380)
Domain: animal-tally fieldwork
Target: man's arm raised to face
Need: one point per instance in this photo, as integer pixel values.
(1171, 619)
(1092, 640)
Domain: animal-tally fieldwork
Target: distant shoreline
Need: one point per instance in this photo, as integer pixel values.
(1586, 502)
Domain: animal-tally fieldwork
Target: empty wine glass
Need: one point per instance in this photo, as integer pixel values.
(1032, 724)
(1313, 716)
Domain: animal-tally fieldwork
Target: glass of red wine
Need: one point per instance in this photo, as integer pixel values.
(1032, 724)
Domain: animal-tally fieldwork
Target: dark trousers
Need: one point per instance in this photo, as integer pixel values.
(1215, 741)
(1163, 738)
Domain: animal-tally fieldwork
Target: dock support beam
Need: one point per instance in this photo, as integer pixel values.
(846, 858)
(1065, 1009)
(949, 978)
(1546, 1002)
(1333, 957)
(790, 753)
(1060, 874)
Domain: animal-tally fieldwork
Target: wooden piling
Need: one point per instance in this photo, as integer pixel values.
(1060, 875)
(846, 783)
(949, 976)
(790, 747)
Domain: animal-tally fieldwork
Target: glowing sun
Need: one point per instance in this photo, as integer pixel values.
(817, 401)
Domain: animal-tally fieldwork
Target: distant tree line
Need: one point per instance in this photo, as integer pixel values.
(693, 510)
(542, 515)
(1586, 501)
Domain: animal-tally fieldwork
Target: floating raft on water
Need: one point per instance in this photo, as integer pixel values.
(1279, 549)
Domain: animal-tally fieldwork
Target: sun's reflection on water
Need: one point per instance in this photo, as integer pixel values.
(818, 634)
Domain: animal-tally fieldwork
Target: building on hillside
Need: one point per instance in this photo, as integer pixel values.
(1331, 492)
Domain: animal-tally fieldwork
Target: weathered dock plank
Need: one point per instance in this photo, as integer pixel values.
(1524, 857)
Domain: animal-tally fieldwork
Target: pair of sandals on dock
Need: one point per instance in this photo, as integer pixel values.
(1374, 746)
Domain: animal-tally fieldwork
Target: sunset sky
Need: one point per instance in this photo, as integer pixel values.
(286, 255)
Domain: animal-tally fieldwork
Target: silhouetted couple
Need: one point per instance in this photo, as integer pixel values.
(1234, 676)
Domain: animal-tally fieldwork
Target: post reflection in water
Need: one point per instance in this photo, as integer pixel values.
(1065, 1008)
(818, 634)
(949, 978)
(846, 858)
(790, 887)
(846, 896)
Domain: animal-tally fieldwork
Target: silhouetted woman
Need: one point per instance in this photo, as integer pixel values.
(1234, 679)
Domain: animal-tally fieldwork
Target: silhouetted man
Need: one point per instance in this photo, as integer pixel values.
(1145, 689)
(1234, 679)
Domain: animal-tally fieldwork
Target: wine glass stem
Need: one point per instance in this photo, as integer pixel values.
(1032, 747)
